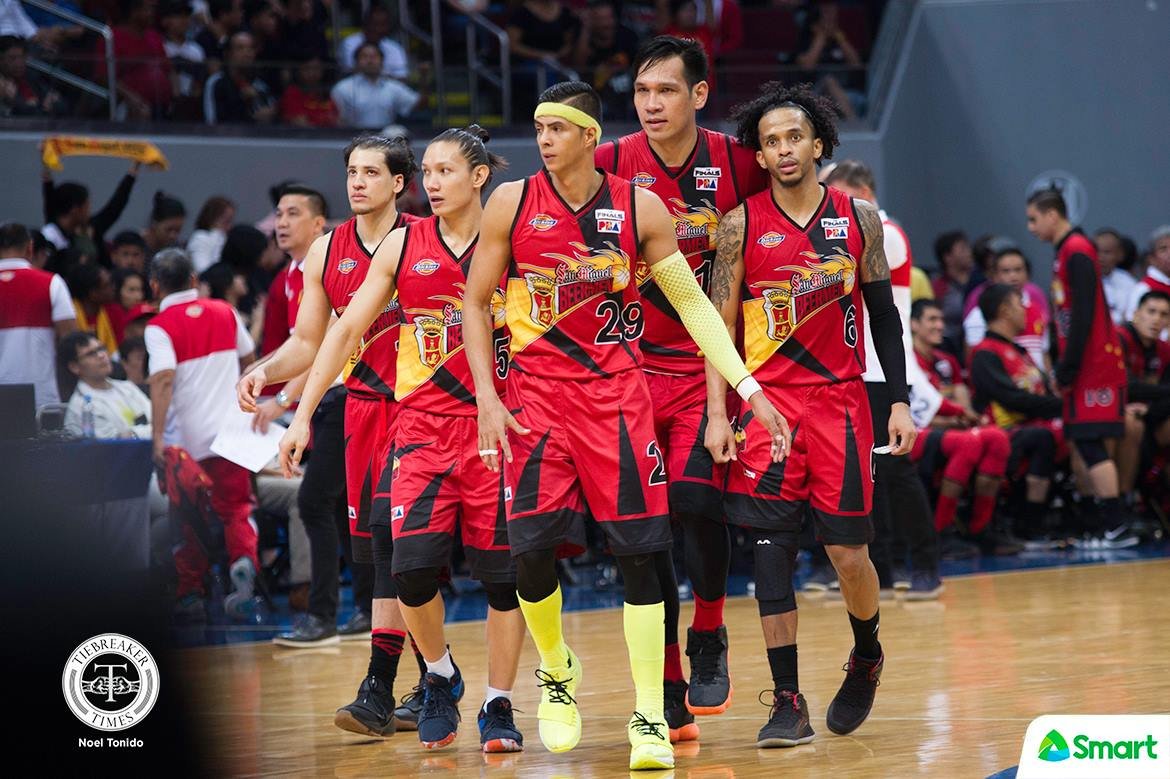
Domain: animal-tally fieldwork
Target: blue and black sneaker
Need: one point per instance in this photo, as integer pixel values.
(497, 730)
(438, 721)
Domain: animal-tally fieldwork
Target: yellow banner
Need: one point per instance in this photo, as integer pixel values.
(58, 146)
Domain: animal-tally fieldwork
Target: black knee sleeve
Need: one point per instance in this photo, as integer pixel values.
(536, 574)
(708, 553)
(1092, 451)
(775, 558)
(501, 596)
(418, 587)
(640, 573)
(383, 554)
(668, 586)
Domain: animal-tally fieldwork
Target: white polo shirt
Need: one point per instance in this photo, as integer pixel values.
(31, 302)
(202, 341)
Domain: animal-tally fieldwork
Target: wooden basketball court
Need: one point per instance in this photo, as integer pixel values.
(963, 677)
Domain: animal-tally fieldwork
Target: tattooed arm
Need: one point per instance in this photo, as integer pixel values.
(726, 279)
(874, 266)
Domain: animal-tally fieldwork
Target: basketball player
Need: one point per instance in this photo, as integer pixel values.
(437, 477)
(575, 243)
(377, 169)
(1090, 368)
(699, 174)
(804, 256)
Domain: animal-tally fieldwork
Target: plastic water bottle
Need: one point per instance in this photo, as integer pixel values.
(87, 430)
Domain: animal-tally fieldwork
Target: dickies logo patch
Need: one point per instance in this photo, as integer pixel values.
(542, 222)
(609, 220)
(770, 240)
(425, 267)
(643, 180)
(836, 229)
(707, 179)
(346, 266)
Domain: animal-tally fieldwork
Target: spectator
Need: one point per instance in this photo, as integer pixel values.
(236, 94)
(543, 28)
(376, 30)
(956, 266)
(137, 318)
(120, 409)
(128, 251)
(35, 311)
(303, 32)
(167, 215)
(257, 258)
(262, 20)
(604, 59)
(187, 57)
(1009, 266)
(194, 347)
(223, 281)
(368, 99)
(211, 226)
(93, 291)
(823, 42)
(68, 222)
(20, 94)
(15, 22)
(129, 293)
(1116, 282)
(1147, 362)
(133, 362)
(1157, 274)
(681, 18)
(227, 16)
(728, 24)
(143, 70)
(306, 101)
(42, 251)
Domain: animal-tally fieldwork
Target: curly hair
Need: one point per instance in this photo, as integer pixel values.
(820, 111)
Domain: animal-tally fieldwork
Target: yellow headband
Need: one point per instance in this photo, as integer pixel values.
(574, 115)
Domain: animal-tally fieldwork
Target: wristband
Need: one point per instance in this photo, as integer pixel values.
(747, 388)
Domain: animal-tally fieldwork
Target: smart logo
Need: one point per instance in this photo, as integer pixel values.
(1054, 748)
(1092, 746)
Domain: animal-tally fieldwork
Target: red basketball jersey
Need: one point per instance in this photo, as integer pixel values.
(801, 292)
(716, 178)
(1143, 364)
(573, 307)
(1102, 364)
(433, 373)
(369, 370)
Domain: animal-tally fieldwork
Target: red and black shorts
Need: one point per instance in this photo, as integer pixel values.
(369, 434)
(828, 472)
(438, 480)
(680, 424)
(1094, 412)
(590, 450)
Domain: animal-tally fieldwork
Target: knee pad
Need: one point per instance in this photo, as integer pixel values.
(1092, 451)
(962, 457)
(775, 562)
(381, 553)
(418, 587)
(536, 574)
(997, 448)
(501, 596)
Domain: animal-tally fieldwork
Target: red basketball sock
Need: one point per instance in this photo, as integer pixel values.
(672, 668)
(981, 512)
(708, 614)
(944, 512)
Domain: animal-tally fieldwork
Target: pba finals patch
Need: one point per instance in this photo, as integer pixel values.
(643, 180)
(609, 220)
(707, 179)
(425, 267)
(542, 222)
(770, 240)
(346, 266)
(836, 229)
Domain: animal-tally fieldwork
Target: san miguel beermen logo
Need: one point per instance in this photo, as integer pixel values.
(808, 288)
(694, 226)
(438, 333)
(110, 682)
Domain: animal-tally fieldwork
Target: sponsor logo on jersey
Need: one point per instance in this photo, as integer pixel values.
(609, 220)
(707, 179)
(425, 267)
(836, 228)
(808, 288)
(643, 180)
(771, 239)
(507, 494)
(694, 226)
(542, 222)
(346, 266)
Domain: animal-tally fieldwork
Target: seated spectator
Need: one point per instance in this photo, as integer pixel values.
(129, 293)
(68, 222)
(22, 93)
(956, 277)
(258, 259)
(823, 42)
(1157, 274)
(226, 18)
(187, 57)
(306, 101)
(143, 69)
(604, 61)
(211, 227)
(957, 440)
(368, 99)
(1009, 266)
(303, 32)
(262, 20)
(167, 215)
(376, 30)
(128, 251)
(236, 93)
(93, 291)
(1115, 280)
(543, 28)
(15, 22)
(120, 409)
(1014, 391)
(132, 352)
(681, 18)
(1147, 362)
(223, 281)
(35, 311)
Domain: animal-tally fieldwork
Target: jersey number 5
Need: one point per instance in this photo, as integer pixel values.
(501, 351)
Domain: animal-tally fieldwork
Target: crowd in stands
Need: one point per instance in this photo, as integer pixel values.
(274, 62)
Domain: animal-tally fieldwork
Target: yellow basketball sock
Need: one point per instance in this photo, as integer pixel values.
(643, 627)
(544, 623)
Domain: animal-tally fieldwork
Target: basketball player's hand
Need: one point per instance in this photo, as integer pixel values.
(265, 413)
(901, 429)
(494, 423)
(249, 388)
(292, 447)
(775, 423)
(720, 439)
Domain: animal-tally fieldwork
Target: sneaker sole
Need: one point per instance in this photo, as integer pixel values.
(405, 724)
(688, 732)
(356, 636)
(651, 762)
(441, 743)
(294, 644)
(709, 711)
(346, 721)
(814, 587)
(927, 595)
(775, 743)
(497, 745)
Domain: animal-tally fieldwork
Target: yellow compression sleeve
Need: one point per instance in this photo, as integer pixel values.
(544, 623)
(677, 281)
(643, 629)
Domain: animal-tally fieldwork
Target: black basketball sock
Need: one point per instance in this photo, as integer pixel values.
(865, 636)
(385, 649)
(1111, 512)
(782, 660)
(418, 658)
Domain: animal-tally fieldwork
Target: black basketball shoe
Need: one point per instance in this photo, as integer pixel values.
(710, 686)
(853, 701)
(788, 724)
(371, 713)
(680, 721)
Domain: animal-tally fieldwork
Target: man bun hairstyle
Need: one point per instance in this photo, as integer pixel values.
(1049, 199)
(472, 142)
(821, 112)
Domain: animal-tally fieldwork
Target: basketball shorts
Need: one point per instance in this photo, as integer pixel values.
(369, 433)
(828, 473)
(1093, 411)
(437, 481)
(590, 450)
(695, 481)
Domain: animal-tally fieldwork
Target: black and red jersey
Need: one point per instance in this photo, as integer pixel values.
(433, 373)
(1008, 383)
(1144, 364)
(1090, 353)
(369, 370)
(573, 306)
(801, 292)
(716, 178)
(944, 372)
